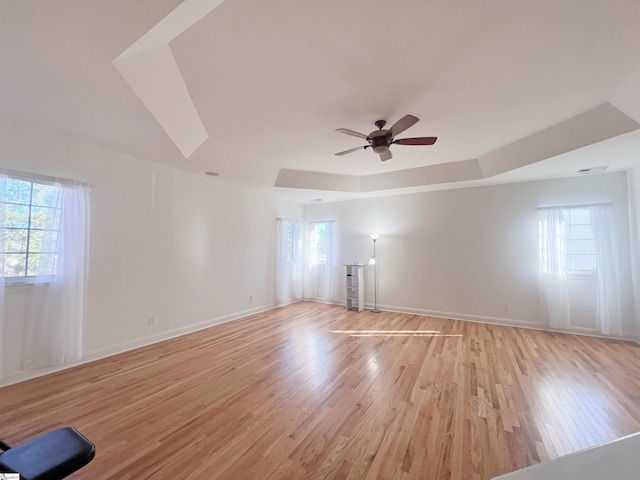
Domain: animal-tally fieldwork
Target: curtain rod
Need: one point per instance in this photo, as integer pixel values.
(26, 176)
(573, 206)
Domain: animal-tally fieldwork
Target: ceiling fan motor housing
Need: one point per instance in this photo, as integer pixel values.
(379, 141)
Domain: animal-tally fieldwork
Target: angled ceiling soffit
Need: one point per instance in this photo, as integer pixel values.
(429, 175)
(593, 126)
(150, 69)
(318, 181)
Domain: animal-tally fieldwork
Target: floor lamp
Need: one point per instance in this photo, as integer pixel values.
(374, 237)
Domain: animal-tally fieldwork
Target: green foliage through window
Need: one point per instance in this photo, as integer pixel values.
(31, 222)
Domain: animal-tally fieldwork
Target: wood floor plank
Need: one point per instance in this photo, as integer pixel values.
(313, 391)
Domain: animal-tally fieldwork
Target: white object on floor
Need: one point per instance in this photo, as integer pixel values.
(619, 460)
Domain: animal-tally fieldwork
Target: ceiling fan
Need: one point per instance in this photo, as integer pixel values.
(380, 140)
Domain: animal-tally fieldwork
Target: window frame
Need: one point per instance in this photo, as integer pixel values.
(289, 230)
(569, 239)
(29, 279)
(313, 256)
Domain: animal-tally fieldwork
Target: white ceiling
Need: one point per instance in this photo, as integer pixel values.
(250, 88)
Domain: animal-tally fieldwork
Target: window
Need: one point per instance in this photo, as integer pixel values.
(44, 237)
(567, 241)
(318, 254)
(323, 274)
(579, 240)
(581, 245)
(31, 220)
(289, 228)
(288, 271)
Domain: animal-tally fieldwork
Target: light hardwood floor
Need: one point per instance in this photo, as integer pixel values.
(314, 391)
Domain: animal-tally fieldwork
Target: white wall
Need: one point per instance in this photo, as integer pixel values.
(634, 222)
(472, 253)
(185, 248)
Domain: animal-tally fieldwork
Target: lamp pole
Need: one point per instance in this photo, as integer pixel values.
(374, 237)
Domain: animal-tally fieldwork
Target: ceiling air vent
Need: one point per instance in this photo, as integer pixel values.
(589, 171)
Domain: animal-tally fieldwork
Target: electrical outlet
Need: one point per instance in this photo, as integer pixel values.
(151, 320)
(250, 298)
(506, 307)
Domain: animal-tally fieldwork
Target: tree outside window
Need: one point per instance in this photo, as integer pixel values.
(32, 217)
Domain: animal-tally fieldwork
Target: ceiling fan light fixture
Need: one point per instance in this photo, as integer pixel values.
(379, 149)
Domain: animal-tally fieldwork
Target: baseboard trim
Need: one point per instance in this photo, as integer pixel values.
(172, 333)
(507, 322)
(122, 347)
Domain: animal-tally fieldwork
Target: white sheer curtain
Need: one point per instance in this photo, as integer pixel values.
(552, 281)
(288, 261)
(608, 297)
(3, 190)
(323, 273)
(53, 327)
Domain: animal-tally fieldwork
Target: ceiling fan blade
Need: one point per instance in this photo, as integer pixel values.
(346, 131)
(351, 150)
(416, 141)
(386, 156)
(402, 124)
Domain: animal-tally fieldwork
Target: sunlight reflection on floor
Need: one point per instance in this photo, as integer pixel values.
(308, 356)
(395, 333)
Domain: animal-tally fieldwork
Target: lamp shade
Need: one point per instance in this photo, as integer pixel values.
(374, 236)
